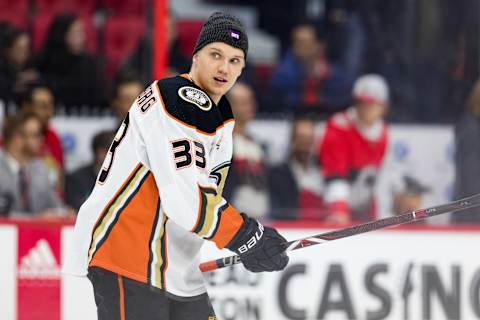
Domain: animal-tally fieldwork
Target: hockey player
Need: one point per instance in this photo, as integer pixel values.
(352, 150)
(158, 196)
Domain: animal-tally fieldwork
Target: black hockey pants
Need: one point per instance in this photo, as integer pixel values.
(120, 298)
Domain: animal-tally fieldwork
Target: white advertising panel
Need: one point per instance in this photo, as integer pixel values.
(384, 275)
(411, 274)
(8, 270)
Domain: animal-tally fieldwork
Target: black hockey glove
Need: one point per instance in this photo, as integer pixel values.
(260, 248)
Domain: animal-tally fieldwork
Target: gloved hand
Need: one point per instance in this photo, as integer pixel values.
(260, 248)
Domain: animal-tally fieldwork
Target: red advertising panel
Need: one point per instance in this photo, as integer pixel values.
(38, 273)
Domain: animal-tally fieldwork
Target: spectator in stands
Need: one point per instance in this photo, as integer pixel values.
(408, 195)
(80, 183)
(246, 186)
(352, 151)
(74, 75)
(296, 185)
(15, 71)
(126, 89)
(39, 99)
(467, 155)
(306, 77)
(25, 187)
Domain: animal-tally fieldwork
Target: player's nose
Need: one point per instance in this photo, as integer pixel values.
(223, 68)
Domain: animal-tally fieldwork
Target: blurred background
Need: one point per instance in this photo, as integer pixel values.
(347, 111)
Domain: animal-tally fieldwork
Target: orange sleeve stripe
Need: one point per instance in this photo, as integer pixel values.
(230, 222)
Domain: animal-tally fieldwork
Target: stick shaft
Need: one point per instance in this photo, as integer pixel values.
(469, 202)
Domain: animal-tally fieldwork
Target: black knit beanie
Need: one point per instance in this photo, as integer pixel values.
(222, 27)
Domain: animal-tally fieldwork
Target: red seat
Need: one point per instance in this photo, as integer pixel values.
(14, 12)
(41, 24)
(125, 7)
(121, 37)
(14, 19)
(188, 31)
(80, 7)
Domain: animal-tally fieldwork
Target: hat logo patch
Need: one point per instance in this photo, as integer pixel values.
(195, 96)
(235, 35)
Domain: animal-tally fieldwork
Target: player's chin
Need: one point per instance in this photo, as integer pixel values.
(220, 90)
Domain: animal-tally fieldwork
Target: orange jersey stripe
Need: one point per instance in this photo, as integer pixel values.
(109, 213)
(130, 176)
(126, 250)
(230, 222)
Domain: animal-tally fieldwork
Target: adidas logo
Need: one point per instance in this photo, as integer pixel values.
(39, 263)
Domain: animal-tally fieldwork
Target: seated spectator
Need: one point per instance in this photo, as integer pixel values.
(352, 151)
(80, 183)
(74, 75)
(408, 195)
(25, 187)
(246, 185)
(296, 185)
(467, 155)
(306, 78)
(127, 87)
(39, 99)
(15, 71)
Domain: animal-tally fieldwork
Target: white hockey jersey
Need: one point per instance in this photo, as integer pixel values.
(158, 195)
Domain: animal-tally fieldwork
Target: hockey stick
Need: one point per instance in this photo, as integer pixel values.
(469, 202)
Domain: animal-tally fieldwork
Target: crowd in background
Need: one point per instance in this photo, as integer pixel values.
(356, 64)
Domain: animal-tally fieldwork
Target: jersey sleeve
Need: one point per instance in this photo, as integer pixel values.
(222, 159)
(190, 197)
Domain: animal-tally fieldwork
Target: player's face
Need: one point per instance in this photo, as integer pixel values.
(216, 67)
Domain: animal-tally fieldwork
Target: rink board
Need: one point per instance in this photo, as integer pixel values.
(410, 273)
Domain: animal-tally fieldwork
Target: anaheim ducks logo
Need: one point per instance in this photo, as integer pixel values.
(195, 96)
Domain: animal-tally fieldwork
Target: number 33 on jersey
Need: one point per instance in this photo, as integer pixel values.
(159, 192)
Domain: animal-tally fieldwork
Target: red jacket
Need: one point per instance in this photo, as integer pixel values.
(350, 158)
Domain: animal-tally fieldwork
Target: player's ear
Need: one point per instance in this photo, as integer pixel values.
(195, 58)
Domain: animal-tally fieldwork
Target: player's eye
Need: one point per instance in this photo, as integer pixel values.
(215, 55)
(235, 60)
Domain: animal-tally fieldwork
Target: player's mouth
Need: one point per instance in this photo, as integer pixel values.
(220, 81)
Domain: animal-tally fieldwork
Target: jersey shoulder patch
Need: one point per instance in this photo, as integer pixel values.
(195, 96)
(188, 104)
